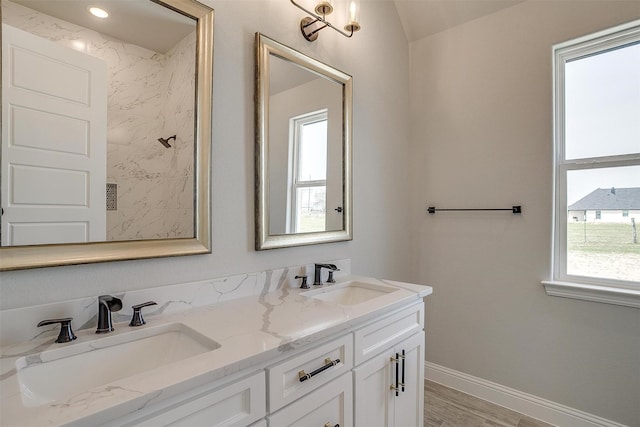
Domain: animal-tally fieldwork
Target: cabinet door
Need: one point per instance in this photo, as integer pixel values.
(373, 401)
(331, 404)
(376, 403)
(409, 405)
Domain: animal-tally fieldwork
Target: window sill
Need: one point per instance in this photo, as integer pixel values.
(596, 293)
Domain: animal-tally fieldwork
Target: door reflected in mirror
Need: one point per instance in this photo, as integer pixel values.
(106, 131)
(303, 145)
(87, 104)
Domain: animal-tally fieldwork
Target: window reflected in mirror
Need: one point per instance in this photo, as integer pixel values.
(308, 206)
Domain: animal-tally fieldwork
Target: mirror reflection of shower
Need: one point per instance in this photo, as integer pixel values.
(165, 141)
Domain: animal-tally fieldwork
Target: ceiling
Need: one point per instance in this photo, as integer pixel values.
(419, 18)
(422, 18)
(140, 22)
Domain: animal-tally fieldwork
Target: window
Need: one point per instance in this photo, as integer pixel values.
(307, 207)
(597, 167)
(625, 214)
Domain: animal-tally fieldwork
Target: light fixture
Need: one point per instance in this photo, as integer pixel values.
(98, 12)
(311, 25)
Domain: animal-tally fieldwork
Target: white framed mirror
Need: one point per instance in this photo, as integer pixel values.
(303, 149)
(106, 131)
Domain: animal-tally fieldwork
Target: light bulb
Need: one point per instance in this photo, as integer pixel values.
(98, 12)
(353, 12)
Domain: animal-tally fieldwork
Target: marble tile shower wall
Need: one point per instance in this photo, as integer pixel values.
(150, 95)
(19, 325)
(156, 183)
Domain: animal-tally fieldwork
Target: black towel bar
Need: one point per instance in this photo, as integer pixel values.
(513, 209)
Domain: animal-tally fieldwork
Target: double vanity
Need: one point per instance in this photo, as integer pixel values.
(349, 353)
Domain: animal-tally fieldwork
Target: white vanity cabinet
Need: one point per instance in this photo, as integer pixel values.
(389, 376)
(346, 381)
(285, 358)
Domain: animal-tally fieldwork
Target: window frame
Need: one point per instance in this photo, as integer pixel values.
(295, 126)
(610, 291)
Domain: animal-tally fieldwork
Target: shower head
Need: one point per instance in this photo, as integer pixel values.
(165, 141)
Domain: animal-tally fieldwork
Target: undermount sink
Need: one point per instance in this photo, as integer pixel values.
(77, 368)
(349, 293)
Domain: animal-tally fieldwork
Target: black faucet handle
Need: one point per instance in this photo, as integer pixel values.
(304, 284)
(66, 333)
(137, 319)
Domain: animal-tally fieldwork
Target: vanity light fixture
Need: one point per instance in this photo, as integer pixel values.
(98, 12)
(311, 25)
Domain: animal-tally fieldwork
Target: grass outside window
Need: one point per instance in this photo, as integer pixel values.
(603, 250)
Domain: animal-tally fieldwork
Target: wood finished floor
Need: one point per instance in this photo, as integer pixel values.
(445, 407)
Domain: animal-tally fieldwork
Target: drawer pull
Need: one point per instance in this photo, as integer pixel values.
(328, 363)
(396, 362)
(331, 425)
(403, 357)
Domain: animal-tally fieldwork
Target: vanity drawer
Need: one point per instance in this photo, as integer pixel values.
(384, 333)
(320, 364)
(331, 404)
(235, 405)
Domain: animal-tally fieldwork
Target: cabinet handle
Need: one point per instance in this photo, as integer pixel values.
(303, 376)
(396, 361)
(403, 357)
(331, 425)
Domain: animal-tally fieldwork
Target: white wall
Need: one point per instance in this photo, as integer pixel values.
(378, 58)
(481, 116)
(605, 216)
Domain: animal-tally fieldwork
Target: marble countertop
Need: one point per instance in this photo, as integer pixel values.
(250, 330)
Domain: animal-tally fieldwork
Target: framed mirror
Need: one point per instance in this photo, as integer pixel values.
(106, 130)
(303, 149)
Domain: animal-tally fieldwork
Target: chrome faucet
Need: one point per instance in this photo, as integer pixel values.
(317, 278)
(106, 305)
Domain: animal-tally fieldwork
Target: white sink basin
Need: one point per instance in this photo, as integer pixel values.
(349, 293)
(76, 368)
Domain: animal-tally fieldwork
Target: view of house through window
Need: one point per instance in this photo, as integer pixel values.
(308, 200)
(603, 223)
(599, 159)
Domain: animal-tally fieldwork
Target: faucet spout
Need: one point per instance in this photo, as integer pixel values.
(106, 305)
(317, 272)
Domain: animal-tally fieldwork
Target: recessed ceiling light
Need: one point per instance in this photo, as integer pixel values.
(98, 12)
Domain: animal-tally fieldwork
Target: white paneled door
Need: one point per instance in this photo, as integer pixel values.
(54, 130)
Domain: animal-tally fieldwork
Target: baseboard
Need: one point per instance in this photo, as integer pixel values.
(527, 404)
